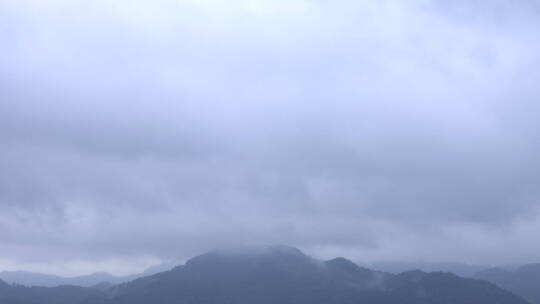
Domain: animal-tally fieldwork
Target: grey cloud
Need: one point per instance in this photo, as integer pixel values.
(379, 131)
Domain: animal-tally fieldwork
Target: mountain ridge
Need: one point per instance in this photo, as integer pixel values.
(277, 274)
(523, 281)
(37, 279)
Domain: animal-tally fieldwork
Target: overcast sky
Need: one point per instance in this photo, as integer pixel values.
(134, 132)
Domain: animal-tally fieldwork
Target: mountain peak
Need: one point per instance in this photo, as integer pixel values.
(274, 274)
(271, 257)
(342, 263)
(249, 253)
(285, 250)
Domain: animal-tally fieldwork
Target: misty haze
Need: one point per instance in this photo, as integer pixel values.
(269, 151)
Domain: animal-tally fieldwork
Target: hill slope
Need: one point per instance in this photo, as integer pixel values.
(99, 278)
(524, 281)
(18, 294)
(277, 274)
(285, 275)
(47, 280)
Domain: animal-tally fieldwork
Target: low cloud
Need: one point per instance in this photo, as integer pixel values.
(144, 131)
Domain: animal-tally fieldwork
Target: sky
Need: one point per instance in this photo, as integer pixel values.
(135, 132)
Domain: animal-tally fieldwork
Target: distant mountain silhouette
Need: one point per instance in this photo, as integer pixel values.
(285, 275)
(95, 279)
(461, 269)
(524, 281)
(46, 280)
(277, 274)
(18, 294)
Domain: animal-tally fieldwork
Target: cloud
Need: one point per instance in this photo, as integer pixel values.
(374, 129)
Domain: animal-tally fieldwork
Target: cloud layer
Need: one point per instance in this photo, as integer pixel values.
(136, 131)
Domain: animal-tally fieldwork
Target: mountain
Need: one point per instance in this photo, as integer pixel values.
(524, 281)
(18, 294)
(461, 269)
(285, 275)
(278, 274)
(46, 280)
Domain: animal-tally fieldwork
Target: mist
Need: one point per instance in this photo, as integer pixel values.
(138, 132)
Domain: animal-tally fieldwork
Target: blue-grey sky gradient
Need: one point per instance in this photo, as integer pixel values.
(138, 131)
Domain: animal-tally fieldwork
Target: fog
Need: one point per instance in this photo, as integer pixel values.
(135, 132)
